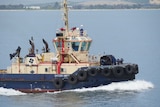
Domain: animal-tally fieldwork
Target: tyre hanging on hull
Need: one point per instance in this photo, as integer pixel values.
(118, 71)
(92, 72)
(58, 83)
(82, 75)
(72, 79)
(135, 69)
(106, 72)
(129, 69)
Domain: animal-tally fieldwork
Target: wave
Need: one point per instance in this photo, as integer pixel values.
(136, 85)
(10, 92)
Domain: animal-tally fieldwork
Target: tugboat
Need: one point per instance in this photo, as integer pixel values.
(70, 67)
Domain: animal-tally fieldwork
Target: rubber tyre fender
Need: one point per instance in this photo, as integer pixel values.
(135, 69)
(82, 75)
(118, 71)
(129, 69)
(58, 83)
(106, 72)
(92, 72)
(72, 79)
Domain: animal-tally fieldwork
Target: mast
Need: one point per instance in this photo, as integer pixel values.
(65, 18)
(65, 9)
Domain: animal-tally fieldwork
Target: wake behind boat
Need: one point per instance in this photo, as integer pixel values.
(70, 67)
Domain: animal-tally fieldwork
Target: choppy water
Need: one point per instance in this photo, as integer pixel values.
(133, 35)
(136, 85)
(97, 96)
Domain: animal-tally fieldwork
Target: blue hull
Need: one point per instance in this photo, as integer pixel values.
(35, 83)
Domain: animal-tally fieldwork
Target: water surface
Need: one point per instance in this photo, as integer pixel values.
(133, 35)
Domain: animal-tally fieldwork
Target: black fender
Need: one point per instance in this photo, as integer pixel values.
(118, 71)
(82, 75)
(92, 72)
(58, 83)
(106, 72)
(129, 69)
(72, 79)
(136, 70)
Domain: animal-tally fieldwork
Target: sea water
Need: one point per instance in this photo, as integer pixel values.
(133, 35)
(119, 94)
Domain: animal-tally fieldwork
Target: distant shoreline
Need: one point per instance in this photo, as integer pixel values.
(77, 9)
(99, 4)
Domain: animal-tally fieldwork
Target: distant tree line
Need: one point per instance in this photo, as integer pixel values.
(107, 6)
(20, 6)
(57, 5)
(120, 6)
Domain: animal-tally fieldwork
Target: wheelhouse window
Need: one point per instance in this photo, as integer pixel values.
(89, 44)
(84, 46)
(75, 46)
(58, 44)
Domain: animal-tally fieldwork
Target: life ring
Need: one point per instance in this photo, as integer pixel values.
(135, 69)
(31, 60)
(129, 69)
(118, 71)
(72, 79)
(106, 72)
(82, 75)
(92, 72)
(58, 83)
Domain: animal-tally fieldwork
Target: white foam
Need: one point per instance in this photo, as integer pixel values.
(136, 85)
(10, 92)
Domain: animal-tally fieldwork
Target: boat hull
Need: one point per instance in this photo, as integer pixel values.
(37, 83)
